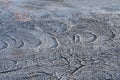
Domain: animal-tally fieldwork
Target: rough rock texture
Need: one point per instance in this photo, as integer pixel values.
(54, 40)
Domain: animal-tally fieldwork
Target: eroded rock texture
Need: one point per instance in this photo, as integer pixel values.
(45, 42)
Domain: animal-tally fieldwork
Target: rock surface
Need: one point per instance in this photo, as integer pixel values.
(59, 40)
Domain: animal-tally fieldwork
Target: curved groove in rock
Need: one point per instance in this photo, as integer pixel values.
(7, 71)
(7, 65)
(56, 43)
(31, 40)
(20, 45)
(112, 35)
(53, 26)
(3, 45)
(88, 37)
(39, 43)
(76, 38)
(11, 41)
(40, 76)
(94, 37)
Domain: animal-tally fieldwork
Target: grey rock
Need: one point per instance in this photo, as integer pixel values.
(59, 40)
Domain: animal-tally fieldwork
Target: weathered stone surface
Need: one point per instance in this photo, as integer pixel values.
(59, 40)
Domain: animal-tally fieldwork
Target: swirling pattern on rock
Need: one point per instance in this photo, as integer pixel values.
(18, 36)
(52, 40)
